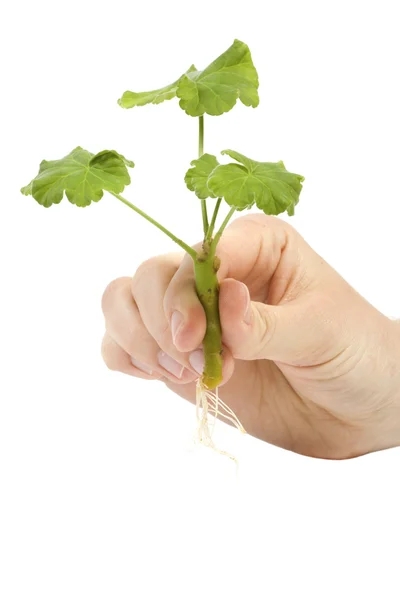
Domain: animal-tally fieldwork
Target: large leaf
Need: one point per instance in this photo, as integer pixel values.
(196, 178)
(269, 185)
(131, 99)
(81, 175)
(214, 90)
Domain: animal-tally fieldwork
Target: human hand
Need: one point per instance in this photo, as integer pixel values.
(309, 365)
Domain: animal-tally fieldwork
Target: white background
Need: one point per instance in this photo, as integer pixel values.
(101, 493)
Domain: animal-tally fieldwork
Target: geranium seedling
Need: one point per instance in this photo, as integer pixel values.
(83, 177)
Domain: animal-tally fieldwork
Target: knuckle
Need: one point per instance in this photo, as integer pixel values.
(109, 356)
(111, 291)
(259, 219)
(266, 326)
(263, 221)
(160, 267)
(146, 269)
(177, 294)
(135, 336)
(149, 264)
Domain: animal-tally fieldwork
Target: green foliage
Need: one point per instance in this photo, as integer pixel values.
(131, 99)
(269, 185)
(214, 90)
(196, 178)
(82, 175)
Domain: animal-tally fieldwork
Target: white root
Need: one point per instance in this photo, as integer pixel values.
(209, 402)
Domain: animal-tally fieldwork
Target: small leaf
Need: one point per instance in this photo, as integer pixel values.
(215, 90)
(269, 185)
(83, 177)
(196, 178)
(131, 99)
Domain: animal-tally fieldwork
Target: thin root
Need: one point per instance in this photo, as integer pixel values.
(208, 402)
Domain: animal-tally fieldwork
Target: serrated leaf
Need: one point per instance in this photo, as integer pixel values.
(269, 185)
(131, 99)
(196, 178)
(214, 90)
(83, 177)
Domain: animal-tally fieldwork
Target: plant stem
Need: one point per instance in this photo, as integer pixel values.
(205, 217)
(221, 229)
(201, 152)
(173, 237)
(201, 135)
(213, 219)
(207, 288)
(206, 266)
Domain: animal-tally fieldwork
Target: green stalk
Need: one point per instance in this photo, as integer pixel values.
(221, 229)
(205, 216)
(213, 219)
(206, 266)
(201, 152)
(207, 287)
(173, 237)
(201, 135)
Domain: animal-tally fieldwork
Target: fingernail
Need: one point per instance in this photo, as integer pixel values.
(176, 322)
(196, 359)
(141, 366)
(170, 364)
(248, 313)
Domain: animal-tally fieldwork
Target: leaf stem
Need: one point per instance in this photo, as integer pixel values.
(221, 229)
(173, 237)
(205, 217)
(201, 152)
(201, 135)
(213, 219)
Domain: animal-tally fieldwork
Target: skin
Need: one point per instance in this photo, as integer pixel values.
(309, 364)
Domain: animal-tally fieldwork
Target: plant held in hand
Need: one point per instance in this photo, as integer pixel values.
(84, 177)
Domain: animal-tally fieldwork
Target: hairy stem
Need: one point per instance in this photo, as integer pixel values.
(213, 219)
(173, 237)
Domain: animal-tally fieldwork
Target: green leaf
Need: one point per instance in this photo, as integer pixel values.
(214, 90)
(269, 185)
(82, 175)
(196, 178)
(131, 99)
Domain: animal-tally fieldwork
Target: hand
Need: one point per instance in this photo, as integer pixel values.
(309, 365)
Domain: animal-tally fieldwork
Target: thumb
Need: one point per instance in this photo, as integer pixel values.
(298, 332)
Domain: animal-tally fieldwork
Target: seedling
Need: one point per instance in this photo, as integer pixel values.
(84, 177)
